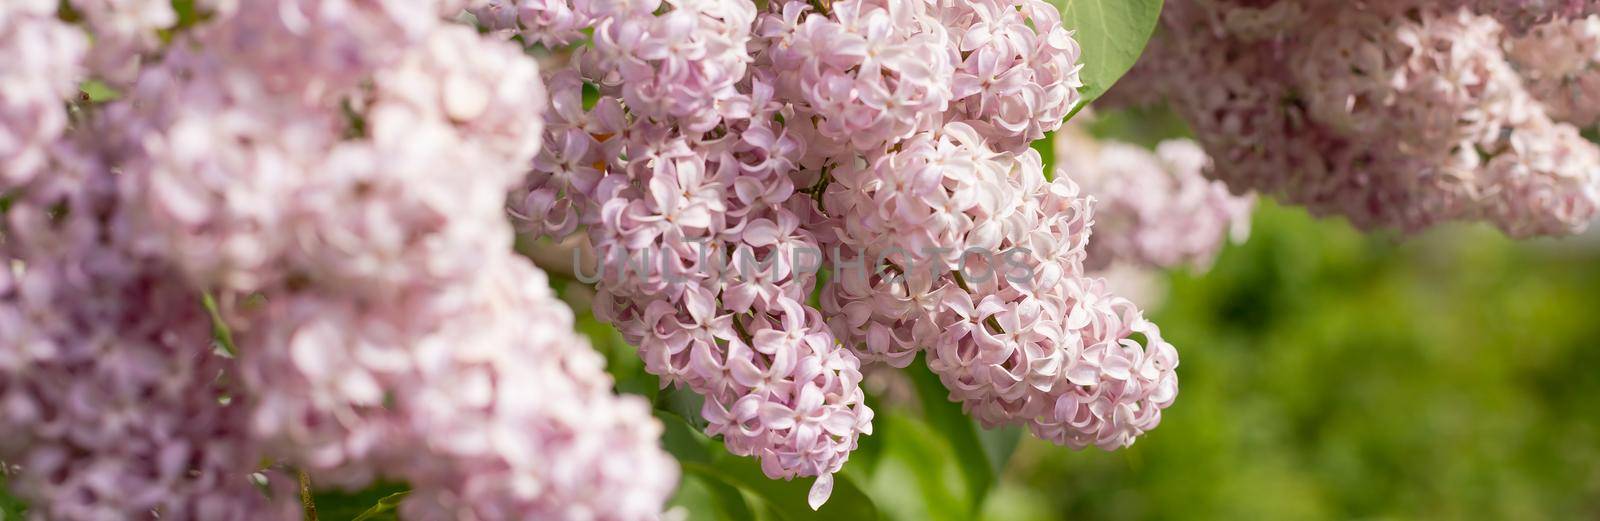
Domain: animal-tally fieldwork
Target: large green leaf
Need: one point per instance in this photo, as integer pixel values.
(998, 445)
(706, 458)
(1112, 33)
(706, 497)
(375, 502)
(918, 476)
(947, 419)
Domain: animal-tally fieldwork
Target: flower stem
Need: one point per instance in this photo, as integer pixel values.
(307, 505)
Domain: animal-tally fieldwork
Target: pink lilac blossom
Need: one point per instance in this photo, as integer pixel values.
(871, 72)
(571, 161)
(843, 133)
(1560, 64)
(124, 32)
(44, 62)
(331, 171)
(1153, 209)
(115, 404)
(247, 186)
(334, 51)
(700, 241)
(480, 397)
(550, 22)
(1046, 346)
(679, 65)
(1519, 15)
(1019, 68)
(694, 216)
(1390, 115)
(345, 210)
(113, 400)
(940, 194)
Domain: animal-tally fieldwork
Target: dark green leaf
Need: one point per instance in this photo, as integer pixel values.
(334, 505)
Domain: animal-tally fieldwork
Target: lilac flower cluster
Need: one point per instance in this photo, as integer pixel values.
(112, 400)
(550, 22)
(661, 200)
(44, 57)
(1392, 114)
(334, 174)
(1153, 209)
(1054, 351)
(1559, 63)
(1520, 15)
(725, 137)
(127, 33)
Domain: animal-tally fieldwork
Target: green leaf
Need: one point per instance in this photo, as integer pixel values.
(688, 445)
(1047, 154)
(707, 458)
(219, 328)
(11, 508)
(1112, 34)
(685, 404)
(337, 505)
(98, 92)
(998, 445)
(622, 360)
(385, 509)
(918, 476)
(187, 14)
(698, 497)
(947, 418)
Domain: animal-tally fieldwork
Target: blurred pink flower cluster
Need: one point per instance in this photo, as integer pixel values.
(718, 157)
(334, 174)
(44, 59)
(1520, 15)
(1153, 209)
(1391, 114)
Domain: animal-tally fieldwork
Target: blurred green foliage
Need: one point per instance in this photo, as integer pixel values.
(1328, 374)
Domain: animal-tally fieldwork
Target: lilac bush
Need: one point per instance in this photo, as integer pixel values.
(282, 249)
